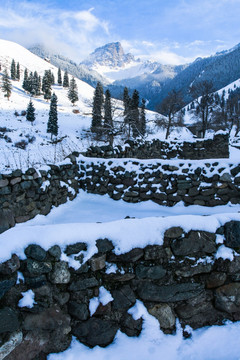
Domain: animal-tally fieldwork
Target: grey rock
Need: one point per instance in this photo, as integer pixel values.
(83, 284)
(150, 272)
(216, 279)
(95, 332)
(168, 293)
(124, 298)
(38, 267)
(5, 286)
(79, 311)
(98, 262)
(174, 232)
(155, 252)
(226, 177)
(10, 266)
(14, 340)
(104, 245)
(164, 314)
(75, 248)
(232, 234)
(60, 273)
(56, 252)
(197, 242)
(227, 298)
(35, 252)
(131, 327)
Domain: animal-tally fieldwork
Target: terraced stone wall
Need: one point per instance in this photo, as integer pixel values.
(209, 183)
(186, 277)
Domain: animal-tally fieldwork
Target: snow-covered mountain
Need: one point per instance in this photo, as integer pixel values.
(80, 71)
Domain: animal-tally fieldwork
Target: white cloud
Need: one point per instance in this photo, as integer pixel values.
(73, 33)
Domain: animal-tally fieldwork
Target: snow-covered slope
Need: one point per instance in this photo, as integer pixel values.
(14, 129)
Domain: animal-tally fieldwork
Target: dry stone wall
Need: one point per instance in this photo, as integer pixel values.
(24, 195)
(156, 149)
(207, 184)
(181, 279)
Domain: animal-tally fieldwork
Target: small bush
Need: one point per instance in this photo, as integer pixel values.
(23, 113)
(75, 111)
(16, 113)
(21, 144)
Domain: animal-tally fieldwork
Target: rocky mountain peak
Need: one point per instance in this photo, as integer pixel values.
(111, 55)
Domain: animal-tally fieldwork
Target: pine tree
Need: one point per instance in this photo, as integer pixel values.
(13, 70)
(73, 91)
(30, 115)
(142, 120)
(52, 125)
(108, 121)
(18, 72)
(97, 108)
(46, 84)
(134, 113)
(65, 79)
(25, 80)
(59, 76)
(6, 84)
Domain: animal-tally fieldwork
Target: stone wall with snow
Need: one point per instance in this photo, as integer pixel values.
(206, 183)
(214, 148)
(209, 183)
(44, 301)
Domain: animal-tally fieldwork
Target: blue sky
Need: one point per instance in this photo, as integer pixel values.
(170, 31)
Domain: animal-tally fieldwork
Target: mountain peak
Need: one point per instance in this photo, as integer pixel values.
(111, 55)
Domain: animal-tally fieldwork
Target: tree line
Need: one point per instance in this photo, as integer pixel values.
(103, 121)
(36, 85)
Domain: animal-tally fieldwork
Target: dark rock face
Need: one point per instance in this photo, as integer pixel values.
(227, 298)
(200, 242)
(36, 252)
(5, 286)
(95, 332)
(168, 293)
(232, 233)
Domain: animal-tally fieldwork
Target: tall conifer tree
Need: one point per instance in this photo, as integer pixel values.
(59, 76)
(97, 108)
(52, 125)
(73, 91)
(65, 79)
(13, 70)
(6, 84)
(30, 114)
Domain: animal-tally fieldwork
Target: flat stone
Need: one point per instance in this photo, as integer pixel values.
(95, 332)
(8, 320)
(83, 284)
(14, 340)
(35, 252)
(38, 267)
(197, 242)
(164, 314)
(168, 293)
(232, 234)
(60, 273)
(104, 245)
(216, 279)
(124, 298)
(16, 180)
(227, 298)
(98, 262)
(131, 256)
(174, 232)
(150, 272)
(188, 271)
(75, 248)
(155, 252)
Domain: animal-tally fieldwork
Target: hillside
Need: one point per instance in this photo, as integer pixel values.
(22, 144)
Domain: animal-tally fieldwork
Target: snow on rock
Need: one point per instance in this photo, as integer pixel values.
(27, 300)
